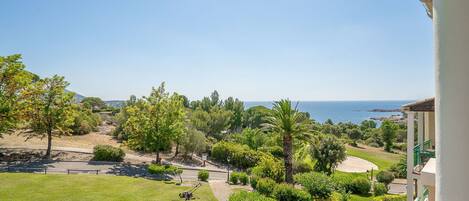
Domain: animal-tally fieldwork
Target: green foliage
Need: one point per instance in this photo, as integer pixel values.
(49, 108)
(320, 186)
(13, 81)
(253, 181)
(108, 153)
(289, 123)
(154, 122)
(344, 195)
(248, 196)
(269, 167)
(400, 169)
(354, 134)
(385, 177)
(367, 124)
(85, 122)
(329, 154)
(380, 189)
(194, 141)
(391, 198)
(203, 175)
(254, 138)
(266, 186)
(302, 167)
(234, 178)
(286, 192)
(361, 186)
(388, 129)
(274, 150)
(255, 116)
(163, 169)
(237, 109)
(243, 178)
(241, 156)
(93, 103)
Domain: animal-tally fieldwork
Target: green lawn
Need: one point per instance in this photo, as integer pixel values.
(24, 186)
(382, 159)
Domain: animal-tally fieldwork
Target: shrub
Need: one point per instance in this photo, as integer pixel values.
(380, 189)
(253, 181)
(241, 156)
(328, 154)
(301, 167)
(286, 192)
(361, 186)
(243, 178)
(344, 195)
(234, 178)
(203, 175)
(108, 153)
(343, 182)
(85, 122)
(266, 186)
(164, 169)
(269, 167)
(399, 169)
(248, 196)
(276, 151)
(385, 177)
(391, 198)
(318, 185)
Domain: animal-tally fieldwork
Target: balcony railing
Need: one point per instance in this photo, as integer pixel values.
(422, 155)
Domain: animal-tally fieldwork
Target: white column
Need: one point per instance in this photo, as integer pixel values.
(410, 155)
(451, 21)
(420, 129)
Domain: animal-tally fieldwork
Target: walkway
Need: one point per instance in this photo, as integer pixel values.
(355, 164)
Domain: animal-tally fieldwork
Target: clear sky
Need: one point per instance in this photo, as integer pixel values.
(250, 49)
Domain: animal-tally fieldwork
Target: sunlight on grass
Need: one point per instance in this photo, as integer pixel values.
(382, 159)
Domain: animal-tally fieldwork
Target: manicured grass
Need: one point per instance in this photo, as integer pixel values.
(382, 159)
(24, 186)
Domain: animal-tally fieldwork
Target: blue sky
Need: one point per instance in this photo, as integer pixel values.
(250, 49)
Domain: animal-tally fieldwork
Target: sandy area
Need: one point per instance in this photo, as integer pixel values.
(355, 164)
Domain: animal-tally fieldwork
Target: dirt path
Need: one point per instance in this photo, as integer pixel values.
(355, 164)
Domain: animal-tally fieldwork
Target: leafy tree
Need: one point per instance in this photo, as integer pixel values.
(93, 103)
(49, 109)
(237, 108)
(194, 142)
(388, 130)
(329, 122)
(254, 138)
(255, 116)
(367, 124)
(155, 121)
(13, 80)
(354, 134)
(219, 122)
(329, 154)
(290, 124)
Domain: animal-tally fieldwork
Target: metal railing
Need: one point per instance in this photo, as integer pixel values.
(46, 170)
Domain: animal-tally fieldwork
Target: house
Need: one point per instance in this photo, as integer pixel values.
(420, 150)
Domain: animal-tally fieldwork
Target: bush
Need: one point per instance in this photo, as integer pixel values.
(203, 175)
(108, 153)
(301, 167)
(270, 167)
(343, 182)
(234, 178)
(385, 177)
(380, 189)
(361, 186)
(318, 185)
(85, 122)
(164, 169)
(399, 169)
(344, 195)
(241, 156)
(391, 198)
(243, 178)
(266, 186)
(248, 196)
(253, 181)
(286, 192)
(276, 151)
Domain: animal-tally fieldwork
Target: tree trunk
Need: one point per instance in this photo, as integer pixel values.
(49, 145)
(288, 158)
(177, 150)
(158, 160)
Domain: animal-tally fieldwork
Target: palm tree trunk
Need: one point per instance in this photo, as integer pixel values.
(49, 144)
(288, 157)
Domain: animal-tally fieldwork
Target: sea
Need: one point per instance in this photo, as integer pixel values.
(341, 111)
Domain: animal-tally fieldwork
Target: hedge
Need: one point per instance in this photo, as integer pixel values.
(108, 153)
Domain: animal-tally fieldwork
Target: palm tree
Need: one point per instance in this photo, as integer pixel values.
(289, 123)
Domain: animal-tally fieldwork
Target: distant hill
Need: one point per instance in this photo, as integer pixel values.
(115, 103)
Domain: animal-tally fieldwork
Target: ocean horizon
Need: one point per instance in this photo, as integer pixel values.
(341, 111)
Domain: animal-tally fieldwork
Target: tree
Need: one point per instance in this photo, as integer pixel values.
(255, 116)
(194, 142)
(13, 81)
(329, 154)
(254, 138)
(367, 124)
(290, 124)
(93, 103)
(388, 130)
(354, 134)
(49, 109)
(155, 121)
(237, 108)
